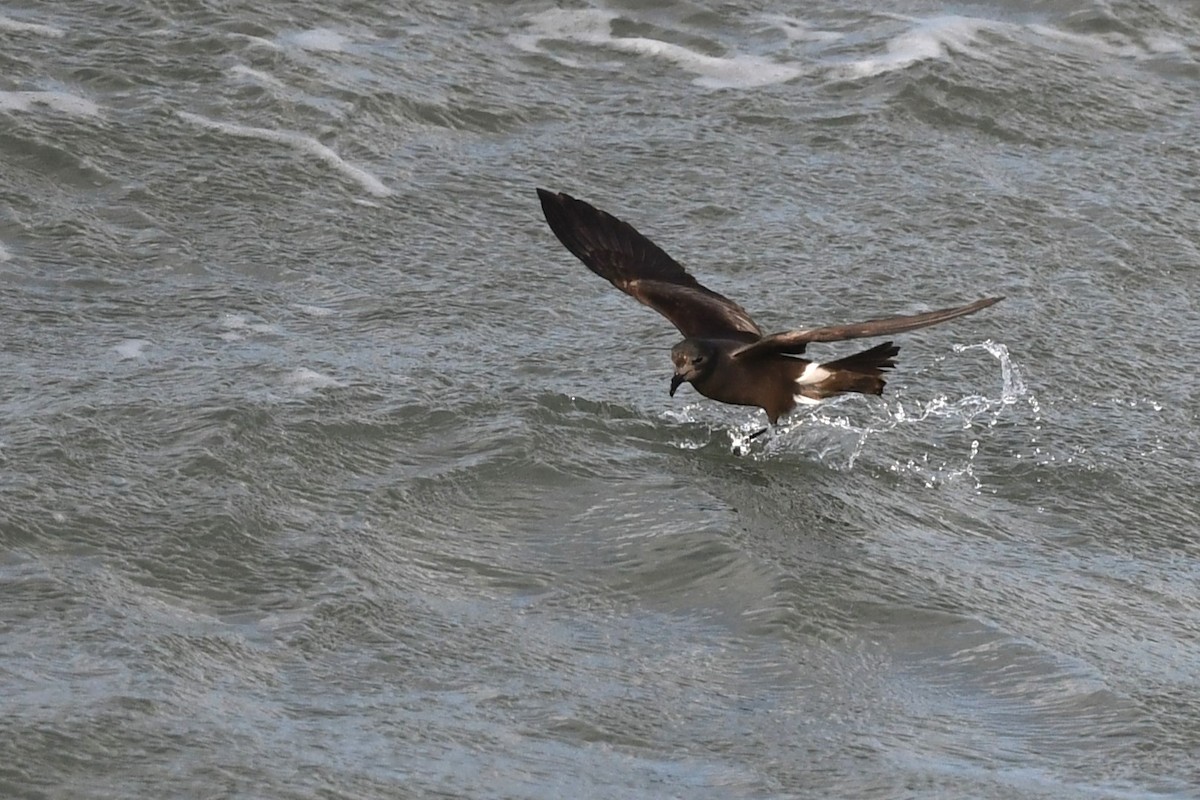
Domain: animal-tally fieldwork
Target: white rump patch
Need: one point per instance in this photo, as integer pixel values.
(813, 373)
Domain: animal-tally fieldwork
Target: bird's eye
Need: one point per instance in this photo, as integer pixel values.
(698, 360)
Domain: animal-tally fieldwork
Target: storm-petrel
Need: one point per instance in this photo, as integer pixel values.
(725, 355)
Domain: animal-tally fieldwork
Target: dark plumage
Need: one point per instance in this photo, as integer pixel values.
(725, 355)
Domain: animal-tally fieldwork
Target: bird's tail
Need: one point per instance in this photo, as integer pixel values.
(861, 373)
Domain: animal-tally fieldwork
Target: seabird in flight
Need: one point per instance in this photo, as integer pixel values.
(725, 355)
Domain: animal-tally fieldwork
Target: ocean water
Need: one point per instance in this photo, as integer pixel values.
(326, 472)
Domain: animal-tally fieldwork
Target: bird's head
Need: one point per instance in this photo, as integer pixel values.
(693, 361)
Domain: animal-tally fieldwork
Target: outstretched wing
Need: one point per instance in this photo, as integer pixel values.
(615, 251)
(794, 342)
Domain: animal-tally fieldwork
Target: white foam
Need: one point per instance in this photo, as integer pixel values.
(799, 31)
(681, 414)
(594, 28)
(591, 25)
(321, 39)
(130, 348)
(16, 26)
(257, 40)
(733, 72)
(1150, 45)
(1162, 44)
(932, 38)
(5, 253)
(939, 37)
(238, 325)
(1095, 44)
(315, 311)
(254, 75)
(306, 380)
(233, 324)
(297, 141)
(56, 101)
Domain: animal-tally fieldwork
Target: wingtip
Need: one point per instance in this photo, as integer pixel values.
(555, 207)
(980, 304)
(556, 198)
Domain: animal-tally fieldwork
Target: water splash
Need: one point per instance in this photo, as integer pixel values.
(838, 441)
(1014, 388)
(743, 437)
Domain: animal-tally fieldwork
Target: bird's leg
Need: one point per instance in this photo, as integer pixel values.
(757, 434)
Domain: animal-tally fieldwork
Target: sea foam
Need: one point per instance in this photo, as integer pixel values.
(61, 102)
(241, 71)
(930, 39)
(298, 141)
(130, 349)
(305, 380)
(593, 27)
(321, 39)
(10, 25)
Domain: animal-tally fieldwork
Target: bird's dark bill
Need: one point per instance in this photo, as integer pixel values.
(675, 382)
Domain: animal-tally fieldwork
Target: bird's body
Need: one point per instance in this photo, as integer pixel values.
(725, 355)
(775, 382)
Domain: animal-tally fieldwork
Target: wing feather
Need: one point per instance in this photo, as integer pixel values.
(794, 342)
(615, 251)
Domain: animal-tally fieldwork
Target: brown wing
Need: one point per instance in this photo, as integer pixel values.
(615, 251)
(794, 342)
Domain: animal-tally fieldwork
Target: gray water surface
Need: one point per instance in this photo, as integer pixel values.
(326, 472)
